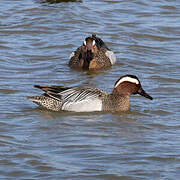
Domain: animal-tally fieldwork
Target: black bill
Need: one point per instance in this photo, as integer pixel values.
(143, 93)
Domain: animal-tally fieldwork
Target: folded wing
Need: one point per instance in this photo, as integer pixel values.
(76, 98)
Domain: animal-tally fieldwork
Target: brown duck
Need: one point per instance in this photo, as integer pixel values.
(81, 99)
(92, 55)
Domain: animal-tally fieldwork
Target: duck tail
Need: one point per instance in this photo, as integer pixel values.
(35, 99)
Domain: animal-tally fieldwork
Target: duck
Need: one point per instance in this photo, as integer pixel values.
(80, 99)
(93, 54)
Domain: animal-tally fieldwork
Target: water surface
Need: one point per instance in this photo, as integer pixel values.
(36, 39)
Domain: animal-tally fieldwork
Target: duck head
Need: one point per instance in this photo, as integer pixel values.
(89, 49)
(128, 85)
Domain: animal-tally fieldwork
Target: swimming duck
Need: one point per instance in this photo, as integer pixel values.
(92, 55)
(81, 99)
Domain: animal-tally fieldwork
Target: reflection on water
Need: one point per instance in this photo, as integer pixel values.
(36, 40)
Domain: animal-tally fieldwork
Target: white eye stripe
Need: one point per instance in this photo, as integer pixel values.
(85, 42)
(93, 43)
(129, 79)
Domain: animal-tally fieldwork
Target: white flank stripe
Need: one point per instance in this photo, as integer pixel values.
(111, 56)
(87, 105)
(129, 79)
(71, 55)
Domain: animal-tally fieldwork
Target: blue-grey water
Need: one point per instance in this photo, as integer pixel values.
(36, 39)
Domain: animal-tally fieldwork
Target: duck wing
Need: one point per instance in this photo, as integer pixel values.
(72, 94)
(77, 99)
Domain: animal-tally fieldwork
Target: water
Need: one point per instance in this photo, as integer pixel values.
(36, 39)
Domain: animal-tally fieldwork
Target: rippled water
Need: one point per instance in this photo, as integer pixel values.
(36, 39)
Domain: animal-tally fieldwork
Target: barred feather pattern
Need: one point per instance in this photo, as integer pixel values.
(101, 59)
(75, 60)
(79, 94)
(72, 99)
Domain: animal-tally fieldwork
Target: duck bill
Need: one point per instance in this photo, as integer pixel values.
(89, 56)
(143, 93)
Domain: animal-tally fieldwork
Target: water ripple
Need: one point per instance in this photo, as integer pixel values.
(36, 39)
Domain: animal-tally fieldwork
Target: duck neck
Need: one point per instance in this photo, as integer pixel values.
(122, 101)
(117, 102)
